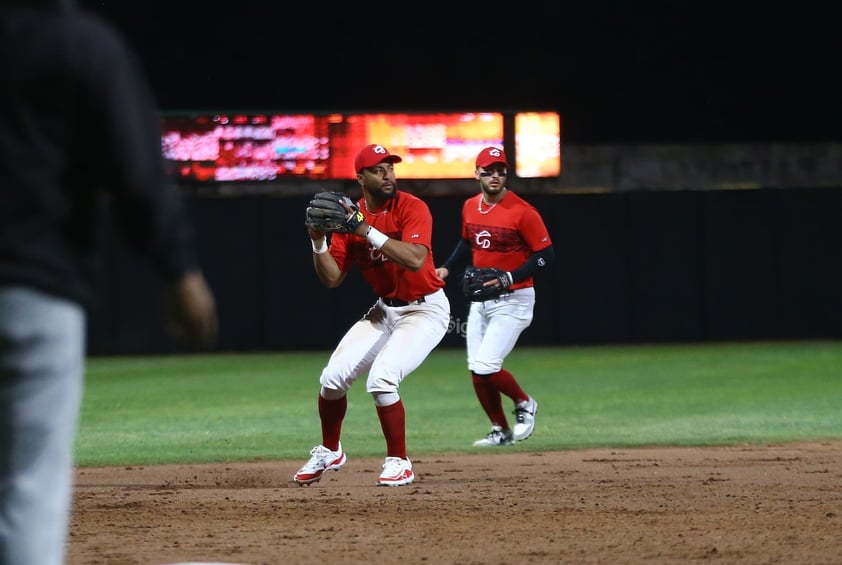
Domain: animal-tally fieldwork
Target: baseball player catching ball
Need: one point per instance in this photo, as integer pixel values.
(387, 235)
(508, 243)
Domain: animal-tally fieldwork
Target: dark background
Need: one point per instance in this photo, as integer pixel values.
(618, 72)
(634, 267)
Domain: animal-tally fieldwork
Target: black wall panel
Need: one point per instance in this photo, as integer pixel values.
(665, 265)
(232, 245)
(588, 288)
(809, 232)
(631, 267)
(741, 264)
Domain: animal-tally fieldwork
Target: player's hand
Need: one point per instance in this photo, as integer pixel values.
(334, 212)
(191, 311)
(442, 272)
(484, 283)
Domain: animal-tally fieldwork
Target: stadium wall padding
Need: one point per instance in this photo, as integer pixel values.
(632, 267)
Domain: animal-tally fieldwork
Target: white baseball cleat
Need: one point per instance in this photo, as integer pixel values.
(496, 437)
(396, 472)
(525, 419)
(321, 459)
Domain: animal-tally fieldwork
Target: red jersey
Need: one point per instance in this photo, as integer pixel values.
(505, 234)
(406, 218)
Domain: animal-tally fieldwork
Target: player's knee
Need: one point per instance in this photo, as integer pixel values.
(379, 385)
(331, 393)
(485, 368)
(385, 398)
(336, 384)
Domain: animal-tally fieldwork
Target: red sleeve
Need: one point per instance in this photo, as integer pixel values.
(533, 230)
(417, 226)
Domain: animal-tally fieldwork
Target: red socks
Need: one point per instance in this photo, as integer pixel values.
(507, 384)
(332, 412)
(488, 389)
(393, 424)
(490, 400)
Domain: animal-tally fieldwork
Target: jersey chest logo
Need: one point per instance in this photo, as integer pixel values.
(482, 239)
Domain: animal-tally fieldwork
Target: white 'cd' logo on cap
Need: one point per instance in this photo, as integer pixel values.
(379, 149)
(494, 152)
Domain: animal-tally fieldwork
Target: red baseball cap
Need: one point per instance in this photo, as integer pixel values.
(374, 154)
(491, 155)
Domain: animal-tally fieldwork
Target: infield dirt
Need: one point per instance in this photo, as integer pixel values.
(744, 504)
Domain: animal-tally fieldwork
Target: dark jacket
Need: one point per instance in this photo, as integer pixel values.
(78, 131)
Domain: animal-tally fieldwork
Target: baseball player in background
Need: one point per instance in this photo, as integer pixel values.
(503, 232)
(387, 235)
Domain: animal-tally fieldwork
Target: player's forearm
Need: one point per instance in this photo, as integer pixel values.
(410, 256)
(537, 261)
(458, 256)
(327, 270)
(325, 265)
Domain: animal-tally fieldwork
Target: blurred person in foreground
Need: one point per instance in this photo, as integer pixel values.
(78, 131)
(502, 231)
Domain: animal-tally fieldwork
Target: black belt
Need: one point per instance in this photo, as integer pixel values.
(395, 302)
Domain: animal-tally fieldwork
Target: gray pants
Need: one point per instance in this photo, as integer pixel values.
(42, 354)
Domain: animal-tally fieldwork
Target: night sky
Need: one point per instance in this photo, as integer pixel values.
(618, 72)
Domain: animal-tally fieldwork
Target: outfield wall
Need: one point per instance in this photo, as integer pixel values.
(633, 267)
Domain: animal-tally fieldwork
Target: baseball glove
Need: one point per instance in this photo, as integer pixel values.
(473, 283)
(326, 213)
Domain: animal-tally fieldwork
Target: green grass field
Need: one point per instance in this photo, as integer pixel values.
(241, 407)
